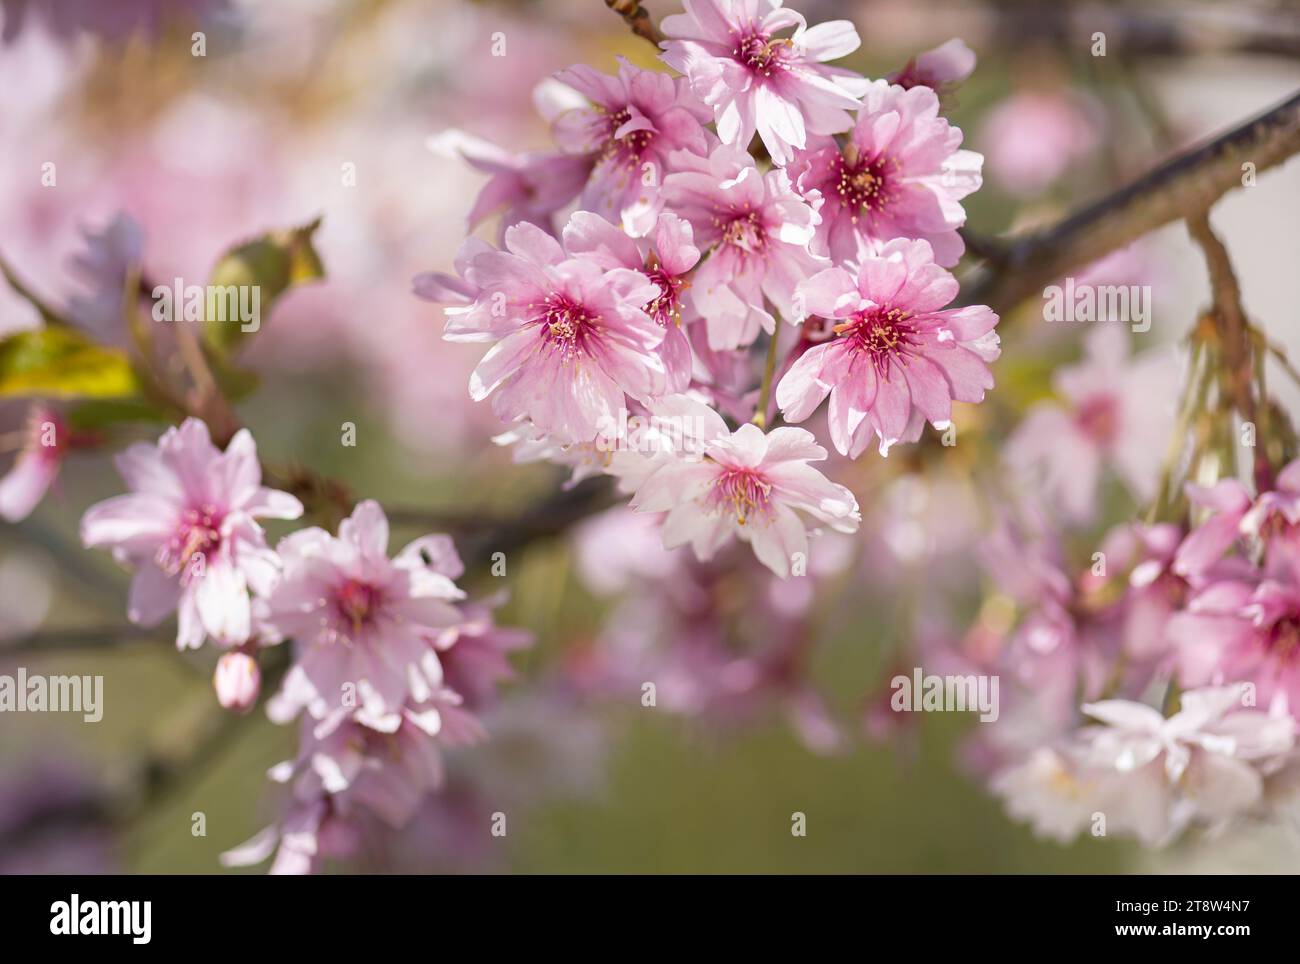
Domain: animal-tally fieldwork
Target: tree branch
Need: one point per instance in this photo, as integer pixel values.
(1235, 334)
(1179, 188)
(1157, 31)
(637, 19)
(549, 517)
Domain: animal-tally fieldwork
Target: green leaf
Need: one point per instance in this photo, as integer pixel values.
(272, 263)
(61, 363)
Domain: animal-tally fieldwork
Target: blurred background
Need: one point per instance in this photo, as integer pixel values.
(261, 132)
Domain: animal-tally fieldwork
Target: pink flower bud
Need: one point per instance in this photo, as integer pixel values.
(238, 680)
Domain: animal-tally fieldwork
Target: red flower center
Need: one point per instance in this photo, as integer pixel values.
(742, 491)
(880, 333)
(1098, 418)
(862, 184)
(197, 537)
(566, 325)
(745, 232)
(356, 602)
(666, 308)
(1283, 637)
(760, 53)
(630, 146)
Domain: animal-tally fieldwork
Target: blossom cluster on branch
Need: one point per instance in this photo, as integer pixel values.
(689, 245)
(723, 283)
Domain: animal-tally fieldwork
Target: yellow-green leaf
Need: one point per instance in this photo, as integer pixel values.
(272, 264)
(58, 362)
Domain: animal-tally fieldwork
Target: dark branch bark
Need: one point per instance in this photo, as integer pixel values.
(1179, 188)
(637, 19)
(1156, 31)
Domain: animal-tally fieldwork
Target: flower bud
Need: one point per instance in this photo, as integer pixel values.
(238, 680)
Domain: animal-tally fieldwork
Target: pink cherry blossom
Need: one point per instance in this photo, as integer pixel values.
(899, 359)
(45, 442)
(753, 486)
(523, 188)
(758, 229)
(446, 289)
(1156, 590)
(475, 653)
(1031, 138)
(1052, 791)
(901, 174)
(679, 427)
(940, 69)
(385, 772)
(109, 254)
(666, 257)
(237, 680)
(1151, 776)
(1206, 761)
(1275, 515)
(361, 621)
(1228, 502)
(309, 832)
(573, 339)
(755, 80)
(1235, 629)
(1117, 411)
(636, 121)
(1047, 649)
(188, 529)
(1236, 519)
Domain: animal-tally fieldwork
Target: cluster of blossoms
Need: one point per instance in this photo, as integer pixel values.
(389, 663)
(1201, 621)
(641, 261)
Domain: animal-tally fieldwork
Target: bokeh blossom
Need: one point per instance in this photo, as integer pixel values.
(1117, 413)
(188, 528)
(45, 441)
(361, 621)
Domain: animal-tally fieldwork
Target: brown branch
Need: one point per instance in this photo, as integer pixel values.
(1179, 188)
(637, 19)
(1234, 329)
(549, 517)
(1176, 30)
(1235, 335)
(163, 771)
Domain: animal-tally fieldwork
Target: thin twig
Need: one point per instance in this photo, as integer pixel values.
(637, 19)
(1235, 333)
(765, 388)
